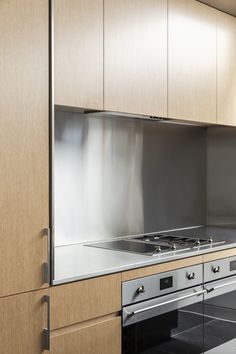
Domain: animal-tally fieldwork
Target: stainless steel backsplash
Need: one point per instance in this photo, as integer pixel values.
(118, 177)
(221, 175)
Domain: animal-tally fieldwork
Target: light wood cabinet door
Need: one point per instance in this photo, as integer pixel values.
(22, 321)
(226, 69)
(135, 56)
(98, 338)
(191, 61)
(23, 144)
(84, 300)
(79, 53)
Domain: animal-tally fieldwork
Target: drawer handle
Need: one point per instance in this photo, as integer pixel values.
(46, 331)
(184, 297)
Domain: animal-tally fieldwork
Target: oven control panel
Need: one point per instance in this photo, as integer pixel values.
(219, 269)
(159, 284)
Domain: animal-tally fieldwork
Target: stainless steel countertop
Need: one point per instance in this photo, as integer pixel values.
(77, 261)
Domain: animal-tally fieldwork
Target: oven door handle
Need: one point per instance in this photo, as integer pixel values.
(216, 287)
(136, 312)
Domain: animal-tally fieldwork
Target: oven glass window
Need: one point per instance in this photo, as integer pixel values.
(176, 332)
(220, 324)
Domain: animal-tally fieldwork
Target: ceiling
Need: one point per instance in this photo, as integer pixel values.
(228, 6)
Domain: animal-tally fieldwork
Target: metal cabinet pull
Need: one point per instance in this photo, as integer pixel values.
(220, 286)
(46, 331)
(46, 267)
(136, 312)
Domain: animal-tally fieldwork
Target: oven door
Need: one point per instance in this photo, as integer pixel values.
(220, 317)
(168, 324)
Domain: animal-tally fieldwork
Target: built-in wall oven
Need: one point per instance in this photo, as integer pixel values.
(187, 311)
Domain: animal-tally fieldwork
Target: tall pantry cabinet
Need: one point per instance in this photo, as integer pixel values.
(24, 166)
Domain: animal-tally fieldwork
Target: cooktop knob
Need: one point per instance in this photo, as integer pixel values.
(191, 276)
(141, 289)
(216, 269)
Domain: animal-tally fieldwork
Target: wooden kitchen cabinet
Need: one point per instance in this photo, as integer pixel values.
(78, 45)
(191, 61)
(85, 300)
(226, 69)
(85, 316)
(24, 175)
(22, 321)
(102, 337)
(135, 56)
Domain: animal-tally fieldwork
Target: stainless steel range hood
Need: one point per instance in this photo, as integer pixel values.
(111, 114)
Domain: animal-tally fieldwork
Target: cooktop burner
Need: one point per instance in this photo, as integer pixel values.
(155, 244)
(171, 239)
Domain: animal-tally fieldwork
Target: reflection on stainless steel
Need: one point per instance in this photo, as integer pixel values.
(182, 312)
(123, 176)
(163, 292)
(98, 182)
(221, 175)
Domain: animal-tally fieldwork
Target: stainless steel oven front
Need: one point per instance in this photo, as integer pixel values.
(177, 313)
(220, 306)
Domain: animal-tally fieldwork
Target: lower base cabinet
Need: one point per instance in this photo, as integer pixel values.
(92, 338)
(85, 316)
(23, 319)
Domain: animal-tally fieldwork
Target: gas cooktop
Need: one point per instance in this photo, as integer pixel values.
(155, 244)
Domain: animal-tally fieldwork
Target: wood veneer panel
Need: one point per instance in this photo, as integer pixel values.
(191, 61)
(135, 56)
(100, 338)
(84, 300)
(22, 320)
(24, 148)
(226, 69)
(79, 53)
(219, 255)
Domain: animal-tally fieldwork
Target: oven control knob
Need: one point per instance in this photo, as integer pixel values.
(216, 269)
(191, 276)
(141, 289)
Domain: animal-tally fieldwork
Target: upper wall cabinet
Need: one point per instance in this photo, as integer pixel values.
(24, 191)
(135, 63)
(192, 61)
(78, 48)
(226, 69)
